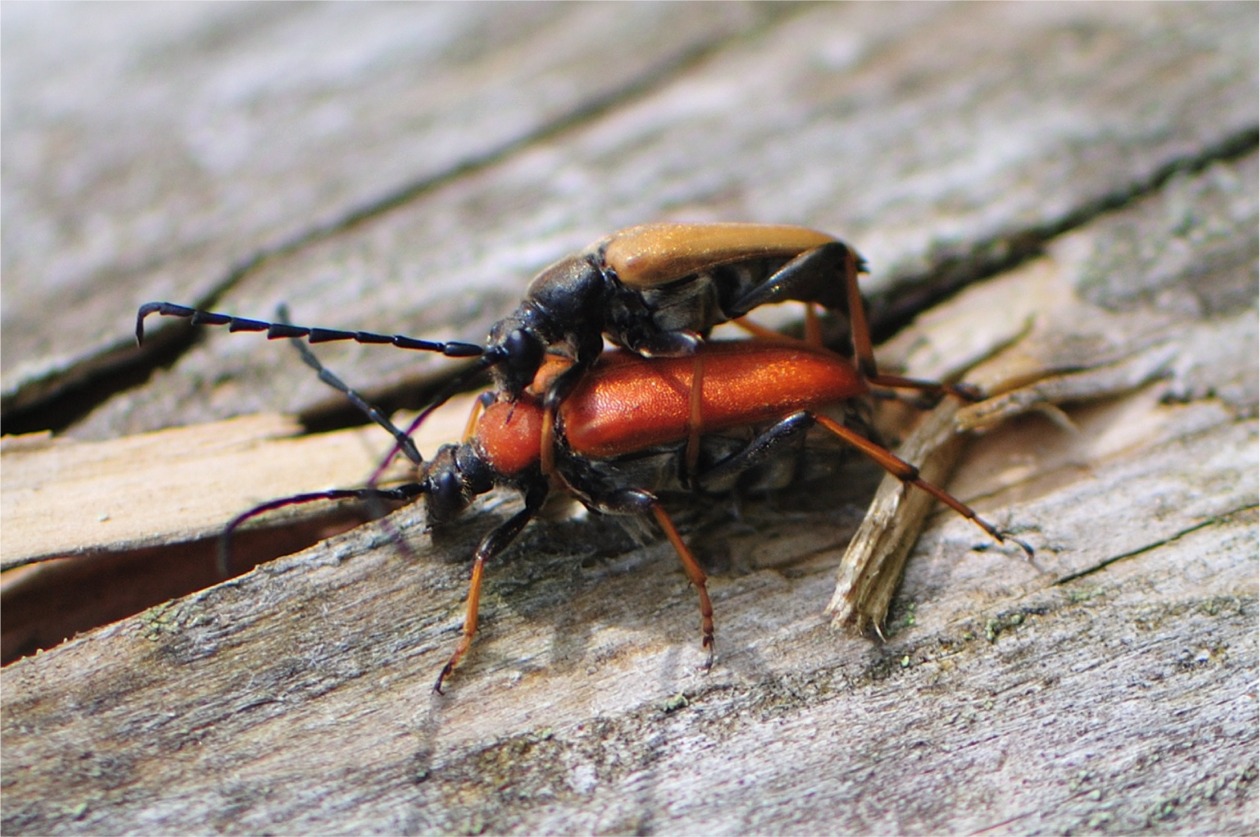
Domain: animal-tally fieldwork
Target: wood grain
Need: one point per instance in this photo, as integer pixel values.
(1085, 174)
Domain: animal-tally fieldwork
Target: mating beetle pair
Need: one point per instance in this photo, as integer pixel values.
(655, 289)
(667, 412)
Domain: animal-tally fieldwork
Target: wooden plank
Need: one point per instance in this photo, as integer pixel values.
(581, 707)
(139, 520)
(1110, 685)
(199, 476)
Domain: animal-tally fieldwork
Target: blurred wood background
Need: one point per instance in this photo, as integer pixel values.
(1064, 194)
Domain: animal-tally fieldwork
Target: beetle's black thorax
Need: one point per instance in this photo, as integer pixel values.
(567, 299)
(563, 310)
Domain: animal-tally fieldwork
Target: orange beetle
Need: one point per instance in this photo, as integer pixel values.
(623, 435)
(615, 428)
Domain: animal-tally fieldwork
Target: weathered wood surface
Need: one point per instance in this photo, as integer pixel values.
(182, 149)
(1109, 686)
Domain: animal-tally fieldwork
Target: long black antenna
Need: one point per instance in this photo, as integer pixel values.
(276, 331)
(403, 441)
(402, 493)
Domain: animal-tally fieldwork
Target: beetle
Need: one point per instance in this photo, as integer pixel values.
(655, 289)
(622, 438)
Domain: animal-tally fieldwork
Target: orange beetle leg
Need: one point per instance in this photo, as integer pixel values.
(909, 474)
(759, 331)
(547, 451)
(471, 427)
(966, 392)
(470, 623)
(813, 328)
(696, 575)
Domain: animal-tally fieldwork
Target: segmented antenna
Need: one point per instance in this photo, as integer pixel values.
(282, 328)
(276, 331)
(402, 441)
(402, 493)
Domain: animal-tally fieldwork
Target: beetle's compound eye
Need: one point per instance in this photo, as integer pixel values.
(524, 356)
(446, 495)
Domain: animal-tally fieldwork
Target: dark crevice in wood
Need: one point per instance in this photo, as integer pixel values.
(894, 308)
(1145, 548)
(955, 268)
(80, 389)
(50, 601)
(57, 404)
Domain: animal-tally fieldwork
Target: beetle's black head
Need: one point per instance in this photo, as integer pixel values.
(444, 487)
(563, 309)
(452, 479)
(515, 353)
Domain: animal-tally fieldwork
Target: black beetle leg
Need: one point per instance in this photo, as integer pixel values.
(491, 546)
(666, 344)
(810, 277)
(759, 450)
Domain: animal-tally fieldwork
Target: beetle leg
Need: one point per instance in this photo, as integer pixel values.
(864, 352)
(695, 416)
(759, 331)
(766, 443)
(813, 328)
(547, 443)
(694, 574)
(810, 277)
(491, 546)
(760, 449)
(859, 329)
(802, 279)
(909, 475)
(967, 392)
(636, 501)
(666, 344)
(584, 358)
(479, 407)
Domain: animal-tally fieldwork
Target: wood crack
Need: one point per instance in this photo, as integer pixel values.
(55, 404)
(1214, 520)
(953, 269)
